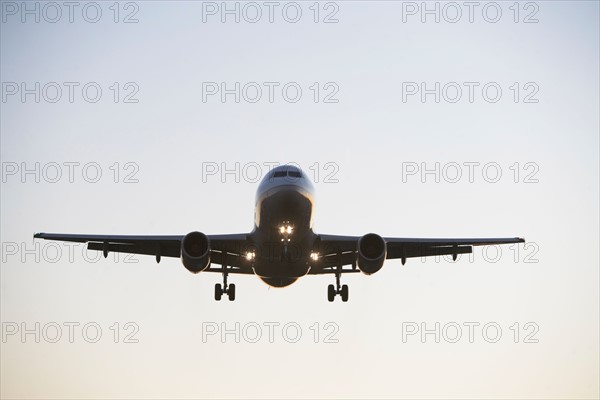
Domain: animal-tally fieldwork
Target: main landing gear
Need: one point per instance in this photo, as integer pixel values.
(225, 289)
(342, 290)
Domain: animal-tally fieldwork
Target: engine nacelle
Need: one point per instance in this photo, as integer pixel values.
(371, 253)
(195, 252)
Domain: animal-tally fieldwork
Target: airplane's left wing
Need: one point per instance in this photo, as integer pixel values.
(228, 248)
(337, 251)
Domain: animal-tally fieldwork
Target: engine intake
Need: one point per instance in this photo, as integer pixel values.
(195, 252)
(371, 253)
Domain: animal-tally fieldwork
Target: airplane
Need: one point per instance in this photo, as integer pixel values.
(282, 247)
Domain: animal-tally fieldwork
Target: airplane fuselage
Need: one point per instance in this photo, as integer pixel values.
(282, 233)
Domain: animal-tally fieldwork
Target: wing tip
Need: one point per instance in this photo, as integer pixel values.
(39, 235)
(520, 239)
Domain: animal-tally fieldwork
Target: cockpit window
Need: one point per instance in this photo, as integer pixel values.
(285, 172)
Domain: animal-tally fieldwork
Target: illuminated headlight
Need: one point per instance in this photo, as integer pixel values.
(250, 255)
(286, 230)
(314, 256)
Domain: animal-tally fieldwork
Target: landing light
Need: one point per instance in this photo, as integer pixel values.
(286, 230)
(314, 256)
(250, 255)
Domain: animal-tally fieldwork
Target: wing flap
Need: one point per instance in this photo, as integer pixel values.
(150, 249)
(431, 242)
(411, 251)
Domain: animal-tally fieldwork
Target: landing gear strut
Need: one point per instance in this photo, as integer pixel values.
(225, 289)
(342, 290)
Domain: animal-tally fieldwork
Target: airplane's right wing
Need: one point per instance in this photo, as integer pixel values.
(228, 248)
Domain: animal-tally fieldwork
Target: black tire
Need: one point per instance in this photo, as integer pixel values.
(330, 293)
(344, 293)
(231, 292)
(218, 292)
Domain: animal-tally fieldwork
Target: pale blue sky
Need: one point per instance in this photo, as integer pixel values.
(369, 133)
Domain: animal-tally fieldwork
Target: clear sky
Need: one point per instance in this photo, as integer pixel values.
(368, 126)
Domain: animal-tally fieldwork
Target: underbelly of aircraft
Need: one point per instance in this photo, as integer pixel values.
(278, 282)
(280, 274)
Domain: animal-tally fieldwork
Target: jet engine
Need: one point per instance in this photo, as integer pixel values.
(371, 252)
(195, 252)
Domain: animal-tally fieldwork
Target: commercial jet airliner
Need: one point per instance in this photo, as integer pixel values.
(282, 247)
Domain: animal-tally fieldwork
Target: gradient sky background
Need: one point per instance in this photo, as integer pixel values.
(368, 134)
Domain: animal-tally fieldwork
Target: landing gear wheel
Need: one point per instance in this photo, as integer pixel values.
(218, 292)
(330, 293)
(231, 292)
(344, 293)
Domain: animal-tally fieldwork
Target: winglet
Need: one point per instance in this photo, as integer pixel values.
(38, 235)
